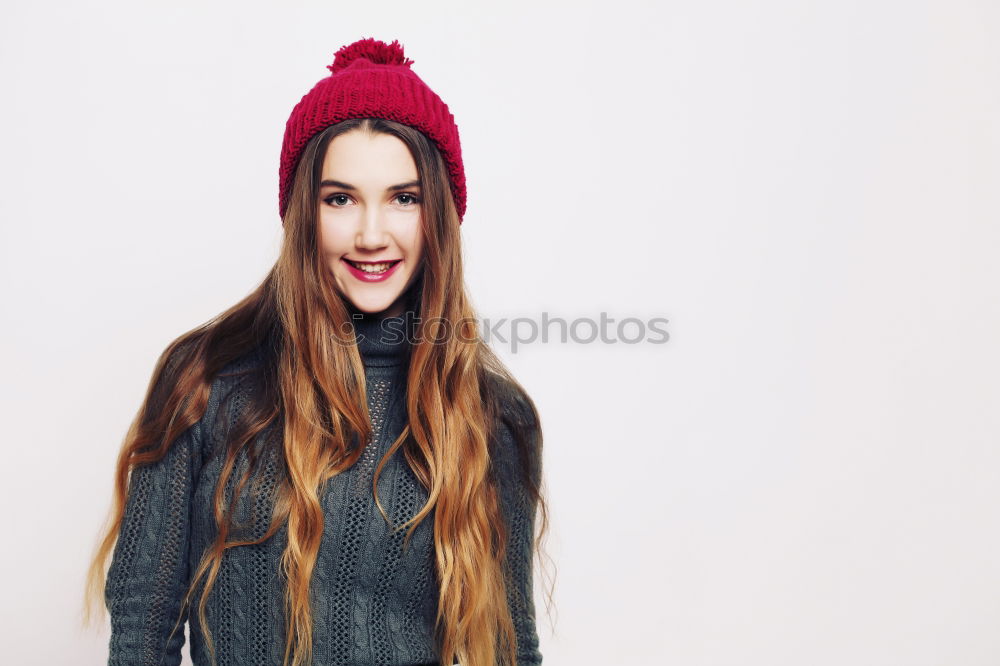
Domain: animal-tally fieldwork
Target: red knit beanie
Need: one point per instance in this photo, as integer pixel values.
(370, 78)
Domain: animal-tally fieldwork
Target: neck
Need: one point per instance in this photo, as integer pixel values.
(385, 340)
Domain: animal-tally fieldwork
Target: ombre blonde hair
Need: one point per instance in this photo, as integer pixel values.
(458, 392)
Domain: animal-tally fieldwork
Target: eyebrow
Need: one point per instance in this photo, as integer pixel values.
(391, 188)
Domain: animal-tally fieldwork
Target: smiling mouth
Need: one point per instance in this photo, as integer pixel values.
(373, 267)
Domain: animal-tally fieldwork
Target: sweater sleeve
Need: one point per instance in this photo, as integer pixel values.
(149, 573)
(519, 513)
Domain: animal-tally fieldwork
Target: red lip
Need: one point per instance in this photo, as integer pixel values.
(369, 277)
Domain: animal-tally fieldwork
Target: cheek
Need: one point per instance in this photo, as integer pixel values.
(330, 240)
(414, 244)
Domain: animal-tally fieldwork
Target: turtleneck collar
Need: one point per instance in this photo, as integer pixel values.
(386, 341)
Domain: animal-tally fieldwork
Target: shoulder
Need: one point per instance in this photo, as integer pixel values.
(183, 374)
(511, 403)
(229, 390)
(517, 435)
(228, 386)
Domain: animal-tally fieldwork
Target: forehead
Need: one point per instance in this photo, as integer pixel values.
(368, 159)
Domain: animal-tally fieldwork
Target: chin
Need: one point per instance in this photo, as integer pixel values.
(372, 305)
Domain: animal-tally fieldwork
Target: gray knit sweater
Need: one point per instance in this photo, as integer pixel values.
(374, 602)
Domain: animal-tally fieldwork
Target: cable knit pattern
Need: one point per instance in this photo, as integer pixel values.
(374, 601)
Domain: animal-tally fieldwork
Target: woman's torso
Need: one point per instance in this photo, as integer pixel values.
(374, 601)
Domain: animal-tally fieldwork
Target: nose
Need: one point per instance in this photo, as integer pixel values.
(371, 235)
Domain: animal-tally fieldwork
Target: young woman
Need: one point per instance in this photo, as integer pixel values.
(337, 470)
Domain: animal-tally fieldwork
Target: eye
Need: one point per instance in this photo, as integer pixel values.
(330, 199)
(413, 200)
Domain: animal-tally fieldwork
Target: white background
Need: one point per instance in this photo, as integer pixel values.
(806, 473)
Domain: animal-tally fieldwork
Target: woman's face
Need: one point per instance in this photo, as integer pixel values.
(369, 213)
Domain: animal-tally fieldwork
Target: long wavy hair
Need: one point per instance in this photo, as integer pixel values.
(313, 394)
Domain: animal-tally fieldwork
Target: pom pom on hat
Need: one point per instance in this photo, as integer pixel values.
(373, 50)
